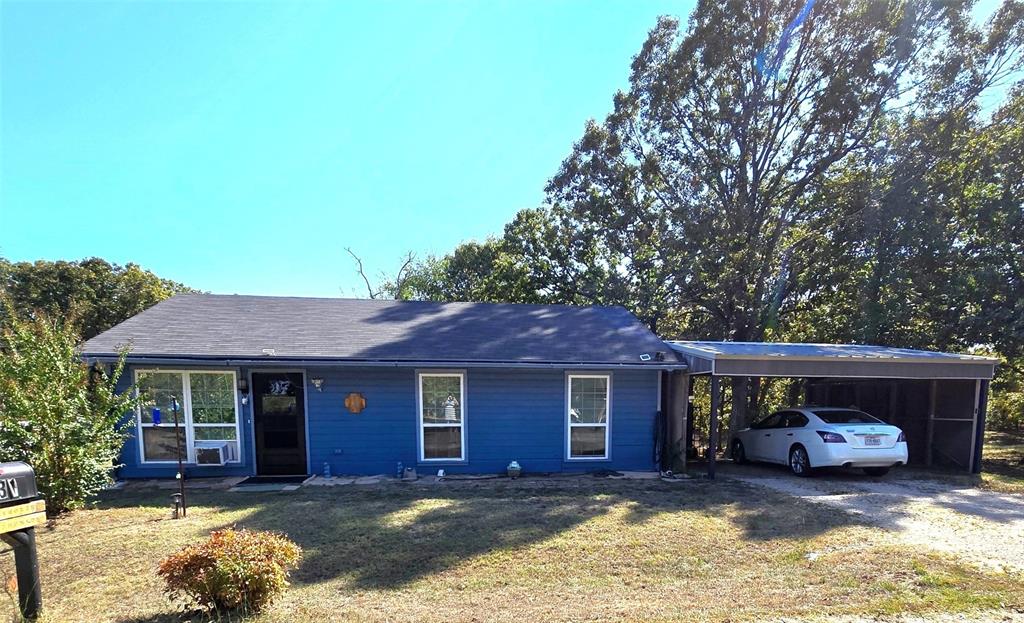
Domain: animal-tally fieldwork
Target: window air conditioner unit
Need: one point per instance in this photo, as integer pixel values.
(213, 452)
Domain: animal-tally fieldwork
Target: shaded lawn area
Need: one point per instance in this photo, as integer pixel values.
(1002, 466)
(558, 549)
(1003, 462)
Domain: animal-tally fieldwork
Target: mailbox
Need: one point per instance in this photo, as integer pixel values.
(21, 510)
(17, 483)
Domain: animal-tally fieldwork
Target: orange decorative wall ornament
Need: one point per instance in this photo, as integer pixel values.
(355, 403)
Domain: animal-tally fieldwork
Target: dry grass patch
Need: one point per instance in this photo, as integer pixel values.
(572, 549)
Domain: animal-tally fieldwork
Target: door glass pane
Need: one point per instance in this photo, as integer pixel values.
(586, 441)
(158, 443)
(280, 405)
(442, 442)
(213, 398)
(588, 400)
(156, 389)
(441, 399)
(279, 414)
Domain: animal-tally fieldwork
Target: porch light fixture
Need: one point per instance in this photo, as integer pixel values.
(318, 384)
(243, 388)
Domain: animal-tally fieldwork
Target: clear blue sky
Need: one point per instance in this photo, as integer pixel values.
(241, 146)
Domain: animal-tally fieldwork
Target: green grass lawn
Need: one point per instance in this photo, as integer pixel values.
(530, 550)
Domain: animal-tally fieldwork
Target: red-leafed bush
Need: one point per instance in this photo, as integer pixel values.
(232, 570)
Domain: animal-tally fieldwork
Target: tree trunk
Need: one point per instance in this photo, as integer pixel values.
(793, 392)
(753, 400)
(738, 417)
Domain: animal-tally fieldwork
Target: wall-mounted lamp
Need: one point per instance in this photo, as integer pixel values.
(318, 384)
(243, 388)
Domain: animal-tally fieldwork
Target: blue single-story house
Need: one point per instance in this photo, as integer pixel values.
(285, 386)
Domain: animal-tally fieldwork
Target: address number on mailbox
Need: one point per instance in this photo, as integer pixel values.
(9, 489)
(17, 482)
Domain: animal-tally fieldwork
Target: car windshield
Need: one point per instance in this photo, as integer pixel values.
(846, 416)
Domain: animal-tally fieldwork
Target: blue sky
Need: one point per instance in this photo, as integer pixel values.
(241, 146)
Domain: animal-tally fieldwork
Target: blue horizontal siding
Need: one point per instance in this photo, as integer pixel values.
(510, 414)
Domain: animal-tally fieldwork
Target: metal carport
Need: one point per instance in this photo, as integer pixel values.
(938, 399)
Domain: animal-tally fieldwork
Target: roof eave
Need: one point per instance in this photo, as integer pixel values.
(696, 351)
(392, 363)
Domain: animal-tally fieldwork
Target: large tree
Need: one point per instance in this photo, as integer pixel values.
(96, 293)
(763, 162)
(729, 128)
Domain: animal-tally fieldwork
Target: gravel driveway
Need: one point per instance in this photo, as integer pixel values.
(982, 527)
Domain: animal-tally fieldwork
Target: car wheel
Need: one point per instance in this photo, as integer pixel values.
(876, 471)
(739, 455)
(799, 463)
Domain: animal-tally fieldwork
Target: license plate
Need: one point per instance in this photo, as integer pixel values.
(873, 441)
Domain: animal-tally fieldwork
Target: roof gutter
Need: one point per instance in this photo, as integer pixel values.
(943, 358)
(356, 363)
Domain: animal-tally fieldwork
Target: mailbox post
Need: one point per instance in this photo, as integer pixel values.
(21, 510)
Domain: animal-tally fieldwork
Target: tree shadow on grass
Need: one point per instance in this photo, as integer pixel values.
(389, 536)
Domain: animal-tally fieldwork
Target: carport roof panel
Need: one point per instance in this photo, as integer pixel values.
(839, 360)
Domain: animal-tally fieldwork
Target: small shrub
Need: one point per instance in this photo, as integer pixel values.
(233, 570)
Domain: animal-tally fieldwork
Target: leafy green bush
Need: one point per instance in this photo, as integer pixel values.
(1006, 401)
(233, 570)
(57, 414)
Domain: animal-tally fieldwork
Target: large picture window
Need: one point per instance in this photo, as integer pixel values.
(207, 413)
(442, 398)
(588, 401)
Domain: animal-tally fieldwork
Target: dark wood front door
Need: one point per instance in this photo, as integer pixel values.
(280, 422)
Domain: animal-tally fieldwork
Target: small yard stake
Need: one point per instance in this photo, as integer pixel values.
(181, 466)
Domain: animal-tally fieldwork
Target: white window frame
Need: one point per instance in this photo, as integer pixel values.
(570, 424)
(185, 400)
(421, 424)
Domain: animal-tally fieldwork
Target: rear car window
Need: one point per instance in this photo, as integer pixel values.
(772, 421)
(846, 416)
(795, 419)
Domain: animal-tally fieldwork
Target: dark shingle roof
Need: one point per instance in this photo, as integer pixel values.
(234, 326)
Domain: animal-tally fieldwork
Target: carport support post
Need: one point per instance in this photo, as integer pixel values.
(713, 432)
(679, 399)
(979, 426)
(932, 389)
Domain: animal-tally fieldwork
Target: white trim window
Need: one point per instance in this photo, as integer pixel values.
(588, 399)
(207, 413)
(441, 405)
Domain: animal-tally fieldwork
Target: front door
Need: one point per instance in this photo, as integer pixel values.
(279, 419)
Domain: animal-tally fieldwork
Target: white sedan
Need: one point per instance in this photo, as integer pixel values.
(806, 438)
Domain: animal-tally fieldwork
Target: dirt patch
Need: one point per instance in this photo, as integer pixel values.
(996, 616)
(983, 527)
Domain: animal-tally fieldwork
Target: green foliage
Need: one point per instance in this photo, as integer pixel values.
(1006, 403)
(57, 414)
(232, 570)
(97, 293)
(849, 190)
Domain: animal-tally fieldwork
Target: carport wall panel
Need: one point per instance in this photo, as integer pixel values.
(510, 414)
